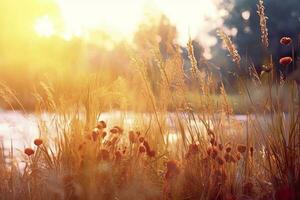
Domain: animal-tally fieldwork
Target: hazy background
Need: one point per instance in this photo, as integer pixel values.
(61, 41)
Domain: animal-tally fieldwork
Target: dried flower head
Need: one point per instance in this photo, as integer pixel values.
(285, 40)
(114, 130)
(118, 155)
(120, 130)
(238, 156)
(104, 133)
(172, 170)
(151, 153)
(193, 149)
(227, 157)
(38, 142)
(209, 150)
(132, 136)
(220, 160)
(228, 149)
(28, 151)
(286, 60)
(147, 146)
(214, 153)
(241, 148)
(172, 164)
(95, 134)
(213, 142)
(141, 139)
(101, 125)
(103, 154)
(142, 149)
(220, 146)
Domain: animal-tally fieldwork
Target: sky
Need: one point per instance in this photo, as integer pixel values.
(120, 18)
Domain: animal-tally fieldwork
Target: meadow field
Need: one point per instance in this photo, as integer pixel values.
(149, 124)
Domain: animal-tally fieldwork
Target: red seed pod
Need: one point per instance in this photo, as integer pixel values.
(95, 134)
(104, 133)
(120, 130)
(238, 156)
(142, 149)
(220, 146)
(193, 149)
(172, 165)
(118, 155)
(213, 142)
(241, 148)
(38, 142)
(285, 40)
(220, 160)
(132, 136)
(141, 139)
(214, 153)
(103, 154)
(151, 153)
(227, 157)
(101, 125)
(114, 130)
(172, 170)
(286, 60)
(28, 151)
(147, 146)
(138, 133)
(209, 150)
(228, 149)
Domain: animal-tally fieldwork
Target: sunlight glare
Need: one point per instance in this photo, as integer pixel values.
(44, 26)
(121, 18)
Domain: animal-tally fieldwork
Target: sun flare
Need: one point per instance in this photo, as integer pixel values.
(44, 26)
(120, 18)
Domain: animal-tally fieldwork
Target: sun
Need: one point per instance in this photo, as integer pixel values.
(118, 18)
(44, 27)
